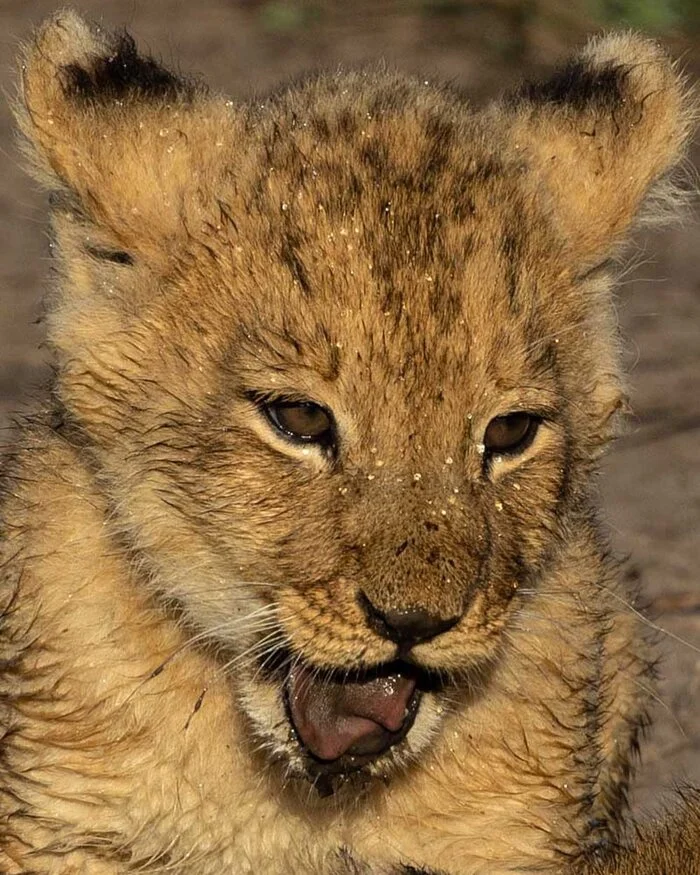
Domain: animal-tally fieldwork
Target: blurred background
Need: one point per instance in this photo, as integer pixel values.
(651, 482)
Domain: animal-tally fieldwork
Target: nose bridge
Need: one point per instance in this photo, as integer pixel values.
(420, 554)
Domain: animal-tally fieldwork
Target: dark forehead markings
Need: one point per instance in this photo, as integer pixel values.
(374, 155)
(511, 253)
(435, 152)
(321, 128)
(291, 257)
(393, 97)
(445, 305)
(334, 362)
(347, 124)
(541, 352)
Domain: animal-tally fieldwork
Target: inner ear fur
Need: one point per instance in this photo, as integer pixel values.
(603, 134)
(114, 133)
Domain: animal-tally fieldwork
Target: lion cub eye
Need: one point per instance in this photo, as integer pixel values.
(511, 433)
(301, 421)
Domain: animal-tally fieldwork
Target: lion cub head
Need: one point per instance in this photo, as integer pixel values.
(342, 361)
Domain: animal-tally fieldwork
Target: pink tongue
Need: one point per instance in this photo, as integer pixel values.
(334, 718)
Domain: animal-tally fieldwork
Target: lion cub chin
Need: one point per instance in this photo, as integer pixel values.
(301, 571)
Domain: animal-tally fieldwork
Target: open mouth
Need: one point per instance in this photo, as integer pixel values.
(345, 720)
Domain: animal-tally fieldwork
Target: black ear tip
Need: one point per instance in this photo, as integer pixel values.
(613, 70)
(81, 62)
(579, 84)
(122, 74)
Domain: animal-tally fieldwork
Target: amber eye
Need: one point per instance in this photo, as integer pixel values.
(511, 433)
(301, 421)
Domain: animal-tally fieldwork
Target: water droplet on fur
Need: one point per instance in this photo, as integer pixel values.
(481, 449)
(417, 476)
(284, 207)
(456, 490)
(343, 490)
(499, 505)
(379, 463)
(449, 460)
(163, 132)
(516, 486)
(444, 513)
(371, 476)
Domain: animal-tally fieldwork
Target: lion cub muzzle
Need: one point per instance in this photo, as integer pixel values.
(346, 719)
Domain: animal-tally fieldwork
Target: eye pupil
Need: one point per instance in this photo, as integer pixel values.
(510, 433)
(301, 420)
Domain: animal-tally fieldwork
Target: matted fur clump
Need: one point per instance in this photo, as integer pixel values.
(302, 571)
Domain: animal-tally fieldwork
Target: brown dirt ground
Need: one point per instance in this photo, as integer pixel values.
(651, 482)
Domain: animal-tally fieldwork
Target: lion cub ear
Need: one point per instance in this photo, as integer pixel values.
(603, 133)
(111, 132)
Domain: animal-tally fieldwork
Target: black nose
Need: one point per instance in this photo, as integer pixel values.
(405, 626)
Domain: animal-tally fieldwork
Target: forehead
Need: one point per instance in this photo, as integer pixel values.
(379, 221)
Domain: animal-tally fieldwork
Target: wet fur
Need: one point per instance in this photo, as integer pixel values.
(370, 242)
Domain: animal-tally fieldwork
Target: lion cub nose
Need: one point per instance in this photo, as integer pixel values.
(405, 626)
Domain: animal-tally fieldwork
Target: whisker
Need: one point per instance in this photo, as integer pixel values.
(646, 621)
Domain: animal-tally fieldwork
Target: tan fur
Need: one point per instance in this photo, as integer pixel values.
(370, 243)
(668, 845)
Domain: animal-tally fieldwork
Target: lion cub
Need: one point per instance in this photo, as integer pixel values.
(302, 572)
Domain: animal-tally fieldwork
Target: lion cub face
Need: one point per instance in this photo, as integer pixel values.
(342, 360)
